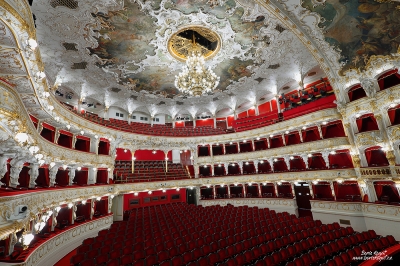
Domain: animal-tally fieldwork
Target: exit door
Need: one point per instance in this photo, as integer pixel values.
(302, 191)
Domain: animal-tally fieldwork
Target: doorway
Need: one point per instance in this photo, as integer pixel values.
(302, 191)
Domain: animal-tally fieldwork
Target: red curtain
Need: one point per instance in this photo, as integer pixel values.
(378, 189)
(322, 190)
(376, 157)
(311, 134)
(297, 164)
(369, 123)
(65, 141)
(47, 134)
(346, 188)
(333, 130)
(43, 178)
(82, 145)
(102, 176)
(24, 177)
(280, 166)
(62, 177)
(81, 177)
(341, 160)
(104, 147)
(316, 162)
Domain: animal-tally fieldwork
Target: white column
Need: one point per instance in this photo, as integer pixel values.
(92, 176)
(223, 147)
(305, 159)
(333, 189)
(214, 192)
(271, 163)
(325, 155)
(226, 165)
(311, 189)
(252, 145)
(369, 189)
(212, 169)
(276, 189)
(106, 112)
(56, 135)
(292, 186)
(94, 145)
(151, 121)
(277, 103)
(110, 174)
(229, 191)
(256, 109)
(255, 162)
(244, 190)
(194, 121)
(286, 158)
(15, 170)
(238, 147)
(54, 218)
(73, 141)
(52, 175)
(33, 174)
(74, 208)
(240, 163)
(269, 144)
(129, 118)
(283, 139)
(301, 135)
(71, 175)
(92, 203)
(215, 121)
(320, 131)
(110, 203)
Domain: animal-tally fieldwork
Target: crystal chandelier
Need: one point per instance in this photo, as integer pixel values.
(195, 79)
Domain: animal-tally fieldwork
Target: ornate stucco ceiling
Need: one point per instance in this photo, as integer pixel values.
(115, 52)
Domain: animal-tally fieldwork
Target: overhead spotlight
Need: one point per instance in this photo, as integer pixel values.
(258, 138)
(304, 128)
(222, 185)
(70, 205)
(164, 190)
(125, 150)
(275, 160)
(287, 131)
(333, 152)
(392, 105)
(324, 123)
(315, 182)
(230, 142)
(52, 164)
(82, 132)
(136, 193)
(264, 184)
(180, 151)
(177, 189)
(205, 166)
(279, 183)
(150, 192)
(96, 137)
(271, 136)
(309, 155)
(79, 168)
(154, 152)
(247, 163)
(261, 162)
(244, 141)
(65, 167)
(185, 151)
(68, 126)
(94, 168)
(98, 198)
(219, 165)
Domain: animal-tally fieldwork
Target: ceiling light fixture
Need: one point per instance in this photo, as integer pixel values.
(195, 79)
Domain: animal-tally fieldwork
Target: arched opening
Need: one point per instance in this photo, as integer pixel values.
(376, 156)
(356, 92)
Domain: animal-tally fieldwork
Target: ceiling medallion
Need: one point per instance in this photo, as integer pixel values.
(180, 45)
(192, 44)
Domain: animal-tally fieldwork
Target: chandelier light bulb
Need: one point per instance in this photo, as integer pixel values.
(32, 44)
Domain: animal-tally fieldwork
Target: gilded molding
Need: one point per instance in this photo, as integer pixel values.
(273, 202)
(372, 210)
(307, 147)
(54, 244)
(369, 138)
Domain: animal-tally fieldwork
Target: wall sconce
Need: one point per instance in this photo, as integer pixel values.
(31, 44)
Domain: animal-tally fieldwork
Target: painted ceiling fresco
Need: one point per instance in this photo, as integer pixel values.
(126, 40)
(359, 29)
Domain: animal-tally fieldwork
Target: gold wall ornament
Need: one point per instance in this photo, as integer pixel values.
(180, 47)
(391, 157)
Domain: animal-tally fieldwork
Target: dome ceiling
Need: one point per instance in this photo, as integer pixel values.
(117, 54)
